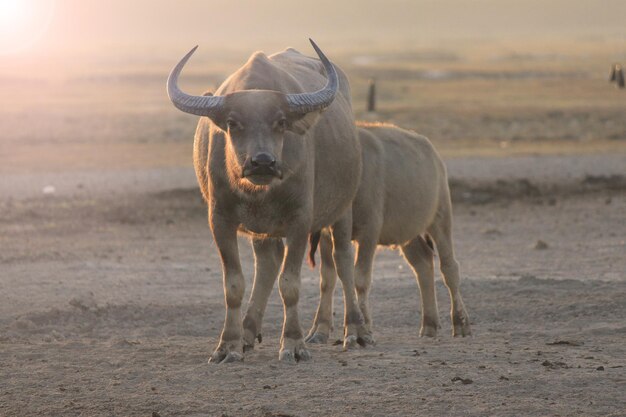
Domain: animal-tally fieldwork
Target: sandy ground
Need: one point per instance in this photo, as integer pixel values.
(111, 302)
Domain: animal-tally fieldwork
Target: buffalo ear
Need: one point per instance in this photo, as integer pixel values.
(301, 122)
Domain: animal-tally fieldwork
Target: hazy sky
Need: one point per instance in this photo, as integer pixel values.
(82, 24)
(96, 25)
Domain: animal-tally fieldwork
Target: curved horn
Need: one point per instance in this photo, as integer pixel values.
(198, 105)
(320, 99)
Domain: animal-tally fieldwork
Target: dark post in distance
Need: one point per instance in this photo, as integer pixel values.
(619, 74)
(371, 96)
(612, 75)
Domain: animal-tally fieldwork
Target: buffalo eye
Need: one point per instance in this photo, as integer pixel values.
(232, 124)
(281, 124)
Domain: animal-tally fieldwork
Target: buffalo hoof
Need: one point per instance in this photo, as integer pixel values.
(461, 325)
(317, 338)
(293, 351)
(350, 342)
(366, 340)
(428, 331)
(226, 354)
(289, 356)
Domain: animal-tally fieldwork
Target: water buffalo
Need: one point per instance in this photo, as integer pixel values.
(403, 201)
(277, 156)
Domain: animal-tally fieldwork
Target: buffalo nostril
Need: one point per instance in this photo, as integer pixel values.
(263, 159)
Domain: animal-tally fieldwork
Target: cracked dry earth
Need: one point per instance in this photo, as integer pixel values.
(111, 305)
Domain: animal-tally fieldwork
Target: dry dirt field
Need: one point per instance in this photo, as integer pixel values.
(110, 305)
(110, 286)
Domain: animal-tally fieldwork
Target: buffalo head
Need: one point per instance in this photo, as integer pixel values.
(255, 121)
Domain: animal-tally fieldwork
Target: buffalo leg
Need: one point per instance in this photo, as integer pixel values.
(323, 322)
(441, 232)
(292, 347)
(230, 347)
(268, 257)
(344, 262)
(419, 255)
(366, 251)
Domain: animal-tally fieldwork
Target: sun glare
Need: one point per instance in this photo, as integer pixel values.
(11, 14)
(23, 23)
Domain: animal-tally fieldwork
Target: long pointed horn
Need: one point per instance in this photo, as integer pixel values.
(198, 105)
(318, 100)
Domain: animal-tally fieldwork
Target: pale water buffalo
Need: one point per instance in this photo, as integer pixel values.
(403, 201)
(276, 156)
